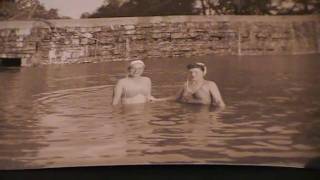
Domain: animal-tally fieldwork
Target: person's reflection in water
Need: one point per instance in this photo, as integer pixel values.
(134, 88)
(184, 130)
(163, 132)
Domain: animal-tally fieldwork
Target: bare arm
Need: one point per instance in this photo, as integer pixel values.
(216, 96)
(117, 92)
(170, 98)
(149, 84)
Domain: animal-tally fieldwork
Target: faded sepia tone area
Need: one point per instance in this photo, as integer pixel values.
(57, 79)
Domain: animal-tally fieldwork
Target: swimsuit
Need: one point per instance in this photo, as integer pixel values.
(190, 96)
(138, 98)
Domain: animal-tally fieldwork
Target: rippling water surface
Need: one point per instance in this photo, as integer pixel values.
(60, 115)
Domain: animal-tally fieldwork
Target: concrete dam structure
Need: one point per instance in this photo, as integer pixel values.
(40, 42)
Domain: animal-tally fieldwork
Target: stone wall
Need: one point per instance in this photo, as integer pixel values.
(110, 39)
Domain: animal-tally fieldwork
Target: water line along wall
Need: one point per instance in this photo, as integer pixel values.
(111, 39)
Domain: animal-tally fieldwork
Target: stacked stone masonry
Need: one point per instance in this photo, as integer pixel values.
(116, 39)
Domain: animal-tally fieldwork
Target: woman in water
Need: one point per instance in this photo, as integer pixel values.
(134, 88)
(197, 90)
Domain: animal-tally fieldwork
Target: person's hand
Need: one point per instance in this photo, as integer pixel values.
(152, 99)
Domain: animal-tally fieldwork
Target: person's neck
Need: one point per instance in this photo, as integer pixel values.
(134, 77)
(198, 81)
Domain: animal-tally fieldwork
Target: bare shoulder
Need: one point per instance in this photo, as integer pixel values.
(212, 84)
(146, 79)
(122, 81)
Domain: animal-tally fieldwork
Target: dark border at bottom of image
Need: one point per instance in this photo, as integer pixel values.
(155, 172)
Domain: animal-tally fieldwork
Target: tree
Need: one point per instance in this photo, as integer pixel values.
(291, 7)
(261, 7)
(7, 7)
(121, 8)
(118, 8)
(25, 9)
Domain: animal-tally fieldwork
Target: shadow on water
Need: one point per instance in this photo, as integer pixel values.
(10, 69)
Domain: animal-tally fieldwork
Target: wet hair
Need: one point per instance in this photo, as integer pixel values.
(197, 65)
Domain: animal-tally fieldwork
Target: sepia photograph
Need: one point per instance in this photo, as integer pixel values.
(167, 83)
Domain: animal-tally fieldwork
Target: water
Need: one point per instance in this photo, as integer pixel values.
(60, 115)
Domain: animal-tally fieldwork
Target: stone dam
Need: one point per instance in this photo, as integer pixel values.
(41, 42)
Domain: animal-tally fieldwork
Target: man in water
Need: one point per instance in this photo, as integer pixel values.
(134, 88)
(197, 90)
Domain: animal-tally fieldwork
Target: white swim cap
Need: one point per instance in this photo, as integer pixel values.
(136, 62)
(204, 67)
